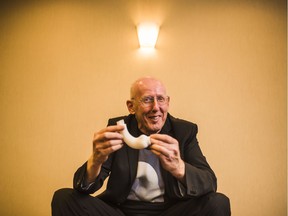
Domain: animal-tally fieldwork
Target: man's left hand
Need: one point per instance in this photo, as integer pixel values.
(167, 149)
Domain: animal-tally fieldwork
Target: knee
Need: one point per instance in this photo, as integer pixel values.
(219, 204)
(61, 196)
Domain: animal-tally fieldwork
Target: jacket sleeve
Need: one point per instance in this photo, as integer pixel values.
(200, 178)
(79, 176)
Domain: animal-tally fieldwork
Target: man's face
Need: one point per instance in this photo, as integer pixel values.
(150, 105)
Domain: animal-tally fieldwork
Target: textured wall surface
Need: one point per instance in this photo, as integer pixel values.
(66, 66)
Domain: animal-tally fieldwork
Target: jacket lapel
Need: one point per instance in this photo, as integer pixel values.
(133, 154)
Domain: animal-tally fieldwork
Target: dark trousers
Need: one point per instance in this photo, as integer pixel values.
(68, 202)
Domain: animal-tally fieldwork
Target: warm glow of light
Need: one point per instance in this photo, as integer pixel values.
(147, 34)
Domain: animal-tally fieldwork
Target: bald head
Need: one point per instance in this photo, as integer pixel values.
(145, 83)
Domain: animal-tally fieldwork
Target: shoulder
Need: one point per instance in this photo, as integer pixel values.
(182, 125)
(127, 119)
(179, 121)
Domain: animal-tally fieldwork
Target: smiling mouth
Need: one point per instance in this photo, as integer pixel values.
(154, 118)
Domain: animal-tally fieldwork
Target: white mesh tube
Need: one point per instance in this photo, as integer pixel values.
(140, 142)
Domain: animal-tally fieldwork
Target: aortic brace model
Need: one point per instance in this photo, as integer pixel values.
(140, 142)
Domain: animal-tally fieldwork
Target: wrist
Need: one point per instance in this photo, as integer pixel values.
(93, 169)
(180, 172)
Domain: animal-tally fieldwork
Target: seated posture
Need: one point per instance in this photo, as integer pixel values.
(170, 177)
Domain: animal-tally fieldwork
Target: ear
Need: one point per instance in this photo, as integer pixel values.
(130, 106)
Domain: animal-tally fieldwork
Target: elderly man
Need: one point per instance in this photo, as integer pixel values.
(170, 177)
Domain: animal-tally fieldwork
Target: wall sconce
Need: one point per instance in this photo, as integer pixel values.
(147, 34)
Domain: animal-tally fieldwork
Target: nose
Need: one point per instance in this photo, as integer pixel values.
(155, 105)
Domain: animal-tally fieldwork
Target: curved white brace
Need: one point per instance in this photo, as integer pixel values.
(140, 142)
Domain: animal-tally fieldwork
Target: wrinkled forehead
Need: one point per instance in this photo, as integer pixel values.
(145, 87)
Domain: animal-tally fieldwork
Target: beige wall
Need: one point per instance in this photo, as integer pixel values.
(66, 66)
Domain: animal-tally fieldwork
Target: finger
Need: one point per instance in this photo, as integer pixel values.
(164, 138)
(100, 145)
(159, 145)
(155, 152)
(112, 128)
(107, 136)
(108, 149)
(160, 150)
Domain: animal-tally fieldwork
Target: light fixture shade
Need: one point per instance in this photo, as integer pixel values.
(147, 34)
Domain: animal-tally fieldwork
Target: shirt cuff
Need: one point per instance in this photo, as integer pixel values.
(86, 187)
(182, 189)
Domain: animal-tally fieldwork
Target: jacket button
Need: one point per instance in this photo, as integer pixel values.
(193, 191)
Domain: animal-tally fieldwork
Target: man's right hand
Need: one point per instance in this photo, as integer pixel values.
(105, 142)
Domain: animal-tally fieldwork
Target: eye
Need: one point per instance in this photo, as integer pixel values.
(147, 100)
(161, 99)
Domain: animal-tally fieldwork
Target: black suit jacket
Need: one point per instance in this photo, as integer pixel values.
(122, 165)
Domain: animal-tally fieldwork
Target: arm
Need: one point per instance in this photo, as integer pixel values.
(182, 158)
(97, 168)
(199, 177)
